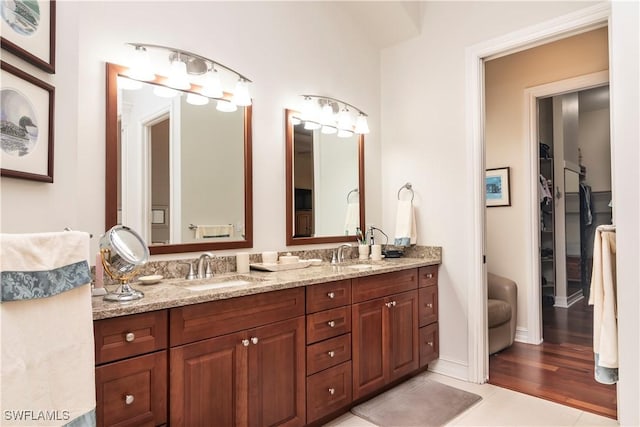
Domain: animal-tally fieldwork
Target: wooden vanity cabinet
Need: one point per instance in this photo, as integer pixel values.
(385, 330)
(428, 314)
(131, 371)
(329, 386)
(254, 376)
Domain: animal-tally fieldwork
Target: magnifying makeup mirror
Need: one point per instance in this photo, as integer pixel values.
(123, 252)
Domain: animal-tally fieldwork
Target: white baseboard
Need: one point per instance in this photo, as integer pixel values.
(451, 368)
(566, 302)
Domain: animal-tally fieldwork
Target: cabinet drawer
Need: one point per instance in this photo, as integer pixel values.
(428, 305)
(429, 345)
(328, 323)
(120, 337)
(328, 391)
(428, 276)
(132, 392)
(381, 285)
(201, 321)
(328, 295)
(326, 354)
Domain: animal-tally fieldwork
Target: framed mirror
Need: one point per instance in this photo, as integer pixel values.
(179, 174)
(325, 185)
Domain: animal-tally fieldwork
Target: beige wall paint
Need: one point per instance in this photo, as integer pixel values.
(506, 144)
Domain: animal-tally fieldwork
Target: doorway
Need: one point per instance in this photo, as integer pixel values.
(548, 267)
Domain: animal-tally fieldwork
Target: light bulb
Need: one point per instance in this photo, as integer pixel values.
(326, 115)
(241, 95)
(212, 85)
(178, 78)
(310, 109)
(141, 68)
(226, 106)
(344, 120)
(361, 124)
(195, 99)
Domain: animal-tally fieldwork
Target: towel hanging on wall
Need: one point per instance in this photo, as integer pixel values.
(48, 363)
(603, 298)
(405, 224)
(352, 218)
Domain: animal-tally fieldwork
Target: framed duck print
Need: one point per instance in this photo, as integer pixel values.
(26, 125)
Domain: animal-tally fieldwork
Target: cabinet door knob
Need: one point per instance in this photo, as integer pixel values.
(245, 342)
(331, 295)
(430, 305)
(331, 323)
(128, 399)
(390, 304)
(393, 303)
(331, 353)
(130, 336)
(332, 391)
(254, 340)
(429, 275)
(430, 343)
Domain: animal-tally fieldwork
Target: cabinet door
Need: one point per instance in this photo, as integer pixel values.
(209, 382)
(132, 392)
(277, 374)
(403, 334)
(368, 329)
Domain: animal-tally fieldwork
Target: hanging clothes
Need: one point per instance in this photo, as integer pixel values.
(585, 204)
(544, 192)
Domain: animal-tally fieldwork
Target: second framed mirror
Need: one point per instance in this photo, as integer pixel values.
(325, 184)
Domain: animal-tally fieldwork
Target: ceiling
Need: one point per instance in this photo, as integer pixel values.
(385, 23)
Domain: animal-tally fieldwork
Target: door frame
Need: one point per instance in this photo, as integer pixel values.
(561, 27)
(532, 95)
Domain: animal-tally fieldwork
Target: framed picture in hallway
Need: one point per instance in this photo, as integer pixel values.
(29, 31)
(26, 125)
(497, 192)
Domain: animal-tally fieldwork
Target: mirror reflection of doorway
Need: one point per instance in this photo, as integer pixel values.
(159, 133)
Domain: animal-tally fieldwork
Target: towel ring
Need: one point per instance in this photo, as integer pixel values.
(355, 190)
(407, 186)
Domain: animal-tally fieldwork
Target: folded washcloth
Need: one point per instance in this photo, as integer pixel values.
(212, 231)
(47, 346)
(352, 219)
(405, 224)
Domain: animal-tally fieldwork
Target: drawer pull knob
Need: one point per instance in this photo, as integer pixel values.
(331, 323)
(331, 295)
(332, 391)
(254, 340)
(430, 305)
(245, 343)
(128, 399)
(430, 343)
(429, 275)
(331, 353)
(130, 336)
(390, 304)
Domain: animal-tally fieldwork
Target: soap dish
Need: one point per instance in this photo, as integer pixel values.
(150, 280)
(315, 261)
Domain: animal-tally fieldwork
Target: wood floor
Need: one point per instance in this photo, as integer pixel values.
(561, 368)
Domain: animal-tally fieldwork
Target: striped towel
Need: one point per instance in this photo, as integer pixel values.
(47, 348)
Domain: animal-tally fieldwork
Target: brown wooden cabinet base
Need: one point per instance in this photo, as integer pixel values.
(328, 391)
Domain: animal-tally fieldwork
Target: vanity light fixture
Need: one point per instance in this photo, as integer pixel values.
(331, 115)
(187, 68)
(165, 92)
(195, 99)
(129, 84)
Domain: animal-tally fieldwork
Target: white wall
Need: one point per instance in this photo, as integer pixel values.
(286, 48)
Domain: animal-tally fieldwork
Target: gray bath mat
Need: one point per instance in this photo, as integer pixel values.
(417, 402)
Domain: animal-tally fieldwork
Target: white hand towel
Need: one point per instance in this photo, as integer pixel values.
(47, 347)
(213, 231)
(352, 219)
(405, 224)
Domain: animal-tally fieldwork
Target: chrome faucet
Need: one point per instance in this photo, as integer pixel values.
(204, 266)
(338, 254)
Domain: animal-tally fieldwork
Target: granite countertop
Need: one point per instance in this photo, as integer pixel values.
(172, 292)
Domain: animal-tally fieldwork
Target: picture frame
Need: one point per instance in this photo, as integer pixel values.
(29, 31)
(26, 129)
(497, 187)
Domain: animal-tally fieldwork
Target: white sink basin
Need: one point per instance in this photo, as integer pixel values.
(221, 283)
(360, 266)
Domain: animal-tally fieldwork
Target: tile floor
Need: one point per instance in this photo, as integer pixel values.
(501, 407)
